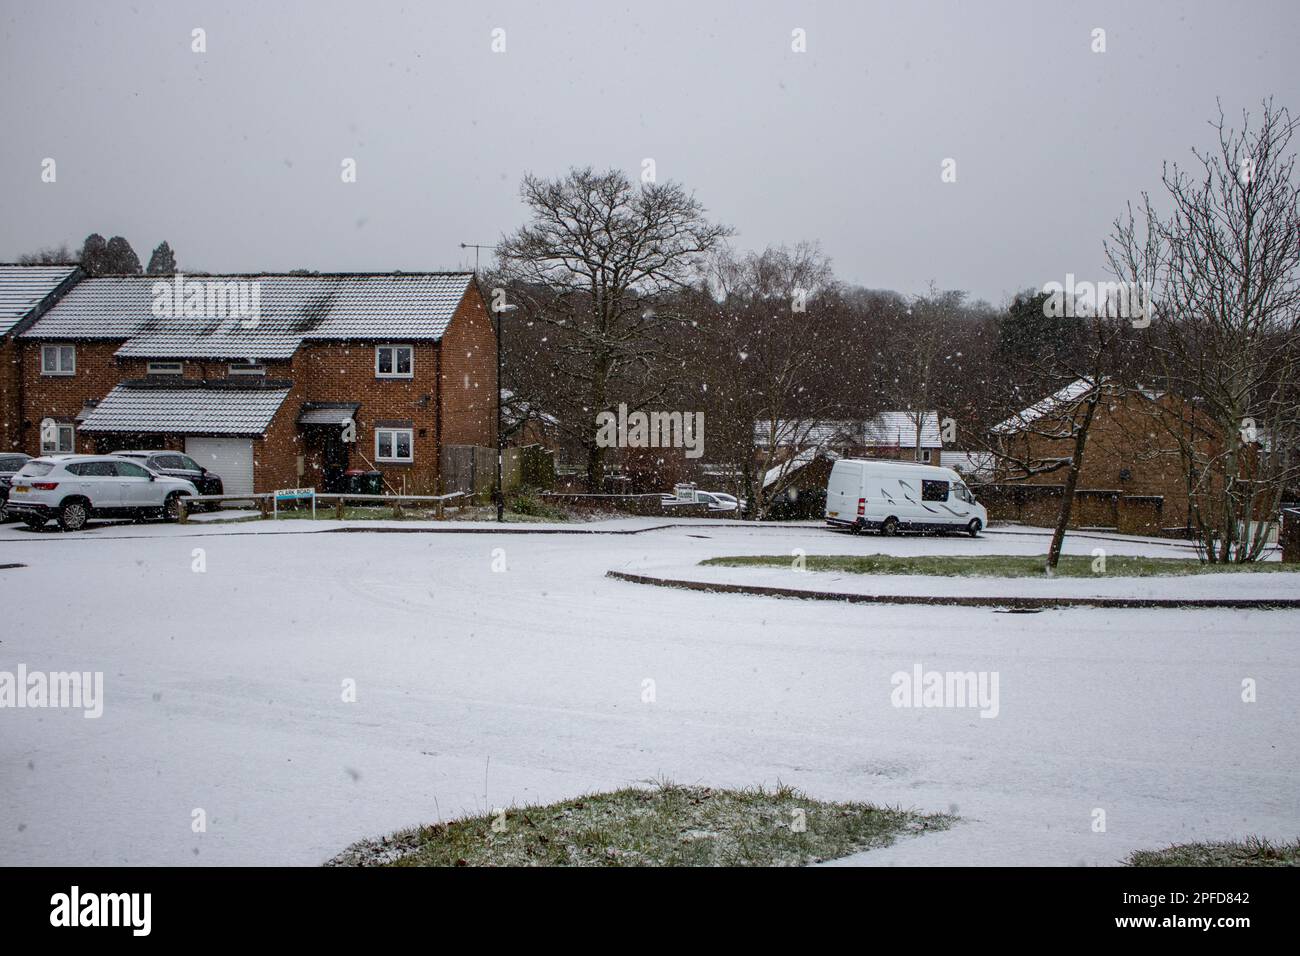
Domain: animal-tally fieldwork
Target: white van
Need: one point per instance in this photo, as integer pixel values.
(893, 496)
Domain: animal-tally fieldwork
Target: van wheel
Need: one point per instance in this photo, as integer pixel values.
(73, 515)
(973, 529)
(857, 527)
(889, 528)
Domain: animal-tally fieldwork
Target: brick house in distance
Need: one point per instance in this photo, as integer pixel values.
(269, 381)
(1132, 478)
(26, 293)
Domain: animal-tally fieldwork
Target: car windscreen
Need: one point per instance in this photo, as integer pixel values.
(35, 469)
(11, 463)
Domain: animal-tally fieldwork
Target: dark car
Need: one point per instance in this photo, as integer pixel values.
(10, 464)
(175, 464)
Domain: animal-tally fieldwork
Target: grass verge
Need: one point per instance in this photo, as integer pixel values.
(1252, 851)
(667, 825)
(996, 565)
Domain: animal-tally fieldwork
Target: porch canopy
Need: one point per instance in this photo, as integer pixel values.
(328, 413)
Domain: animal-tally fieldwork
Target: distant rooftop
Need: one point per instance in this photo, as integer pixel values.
(24, 288)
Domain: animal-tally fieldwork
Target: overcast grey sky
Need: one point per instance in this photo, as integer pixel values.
(234, 155)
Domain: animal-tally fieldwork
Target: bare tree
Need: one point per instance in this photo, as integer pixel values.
(1032, 441)
(922, 346)
(595, 265)
(1227, 261)
(49, 256)
(768, 347)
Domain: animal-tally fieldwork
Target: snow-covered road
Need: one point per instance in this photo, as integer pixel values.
(478, 688)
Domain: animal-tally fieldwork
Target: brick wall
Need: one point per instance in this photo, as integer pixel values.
(61, 397)
(10, 388)
(469, 375)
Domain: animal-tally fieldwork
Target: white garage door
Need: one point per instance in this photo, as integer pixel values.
(231, 459)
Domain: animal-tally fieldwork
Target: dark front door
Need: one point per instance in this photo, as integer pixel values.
(334, 460)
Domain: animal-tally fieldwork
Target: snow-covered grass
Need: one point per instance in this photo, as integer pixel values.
(995, 565)
(667, 825)
(476, 688)
(1249, 852)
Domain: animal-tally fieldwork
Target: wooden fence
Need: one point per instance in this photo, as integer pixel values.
(265, 502)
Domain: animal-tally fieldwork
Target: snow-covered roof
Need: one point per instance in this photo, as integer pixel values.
(899, 428)
(975, 464)
(796, 463)
(23, 288)
(1059, 401)
(291, 309)
(328, 413)
(515, 411)
(186, 411)
(892, 428)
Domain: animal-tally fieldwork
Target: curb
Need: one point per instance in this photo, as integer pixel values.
(1016, 603)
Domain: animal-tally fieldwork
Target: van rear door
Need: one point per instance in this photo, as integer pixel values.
(843, 491)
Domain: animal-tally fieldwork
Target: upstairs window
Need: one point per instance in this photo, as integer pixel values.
(247, 368)
(58, 360)
(166, 368)
(394, 361)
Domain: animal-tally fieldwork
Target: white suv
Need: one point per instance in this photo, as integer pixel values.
(75, 488)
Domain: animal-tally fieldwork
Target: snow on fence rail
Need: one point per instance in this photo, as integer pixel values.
(266, 502)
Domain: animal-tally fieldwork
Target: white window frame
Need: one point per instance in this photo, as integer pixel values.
(57, 349)
(394, 432)
(246, 368)
(394, 349)
(925, 455)
(56, 448)
(165, 368)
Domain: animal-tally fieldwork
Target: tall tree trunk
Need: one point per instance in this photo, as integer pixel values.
(595, 453)
(1071, 483)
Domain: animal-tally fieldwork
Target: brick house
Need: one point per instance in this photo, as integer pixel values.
(1132, 477)
(323, 373)
(26, 293)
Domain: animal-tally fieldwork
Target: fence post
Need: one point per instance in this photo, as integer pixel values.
(264, 507)
(338, 507)
(397, 509)
(182, 512)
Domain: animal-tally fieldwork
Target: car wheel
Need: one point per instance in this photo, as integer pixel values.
(889, 528)
(73, 515)
(172, 507)
(973, 529)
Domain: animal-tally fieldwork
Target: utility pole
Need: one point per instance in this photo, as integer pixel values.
(500, 309)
